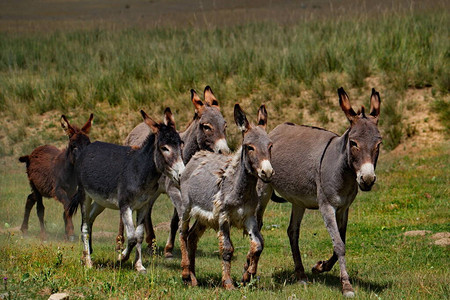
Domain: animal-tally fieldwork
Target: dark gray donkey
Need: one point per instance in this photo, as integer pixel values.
(219, 191)
(120, 177)
(207, 131)
(318, 169)
(51, 174)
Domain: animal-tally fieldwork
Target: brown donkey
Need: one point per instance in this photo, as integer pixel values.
(317, 169)
(51, 174)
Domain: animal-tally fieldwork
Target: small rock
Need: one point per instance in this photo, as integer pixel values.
(417, 233)
(443, 242)
(440, 235)
(59, 296)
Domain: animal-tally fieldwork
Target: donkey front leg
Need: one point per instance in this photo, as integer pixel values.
(325, 266)
(62, 197)
(127, 218)
(329, 216)
(256, 248)
(293, 232)
(226, 250)
(139, 235)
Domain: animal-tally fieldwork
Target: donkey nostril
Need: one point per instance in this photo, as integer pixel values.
(220, 151)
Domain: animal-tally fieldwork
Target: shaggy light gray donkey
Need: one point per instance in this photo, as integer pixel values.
(219, 191)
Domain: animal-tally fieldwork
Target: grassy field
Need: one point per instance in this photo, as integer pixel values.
(293, 63)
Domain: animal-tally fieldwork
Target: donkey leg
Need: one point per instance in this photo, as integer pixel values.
(329, 216)
(139, 233)
(148, 225)
(120, 238)
(264, 191)
(127, 217)
(40, 212)
(256, 248)
(31, 200)
(194, 235)
(184, 228)
(168, 249)
(293, 232)
(325, 266)
(85, 204)
(62, 197)
(226, 250)
(95, 210)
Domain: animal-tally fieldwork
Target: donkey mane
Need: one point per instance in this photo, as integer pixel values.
(310, 126)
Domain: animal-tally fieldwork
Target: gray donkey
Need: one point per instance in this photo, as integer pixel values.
(120, 177)
(206, 131)
(317, 169)
(219, 191)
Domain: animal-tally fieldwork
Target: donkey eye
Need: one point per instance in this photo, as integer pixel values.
(270, 147)
(165, 149)
(250, 148)
(353, 144)
(206, 127)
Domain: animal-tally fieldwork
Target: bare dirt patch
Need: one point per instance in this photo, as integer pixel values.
(417, 233)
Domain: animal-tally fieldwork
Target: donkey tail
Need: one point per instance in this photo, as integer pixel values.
(277, 199)
(74, 203)
(25, 159)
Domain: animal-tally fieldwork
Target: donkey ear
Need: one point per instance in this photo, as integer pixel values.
(67, 127)
(375, 102)
(262, 116)
(198, 103)
(344, 102)
(210, 99)
(149, 121)
(168, 118)
(87, 127)
(240, 118)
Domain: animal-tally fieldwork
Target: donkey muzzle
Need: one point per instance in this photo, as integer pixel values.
(366, 177)
(221, 146)
(265, 172)
(176, 171)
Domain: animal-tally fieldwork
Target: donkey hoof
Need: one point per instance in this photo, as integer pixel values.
(168, 255)
(303, 282)
(349, 294)
(141, 270)
(347, 290)
(72, 238)
(318, 268)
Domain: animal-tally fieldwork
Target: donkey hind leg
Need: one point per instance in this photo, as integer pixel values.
(139, 235)
(85, 203)
(226, 250)
(325, 266)
(256, 248)
(168, 249)
(148, 225)
(120, 240)
(194, 235)
(31, 200)
(329, 216)
(40, 212)
(94, 211)
(293, 233)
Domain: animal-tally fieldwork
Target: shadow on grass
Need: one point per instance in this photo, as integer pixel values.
(287, 277)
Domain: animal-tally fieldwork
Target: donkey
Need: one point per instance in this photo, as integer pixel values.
(206, 131)
(51, 174)
(317, 169)
(219, 191)
(120, 177)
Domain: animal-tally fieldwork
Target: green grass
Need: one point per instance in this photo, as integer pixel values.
(411, 193)
(130, 68)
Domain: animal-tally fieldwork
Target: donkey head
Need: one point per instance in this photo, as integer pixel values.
(168, 146)
(364, 139)
(256, 144)
(78, 138)
(211, 131)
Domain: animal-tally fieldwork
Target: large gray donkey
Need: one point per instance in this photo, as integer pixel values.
(317, 169)
(206, 131)
(219, 191)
